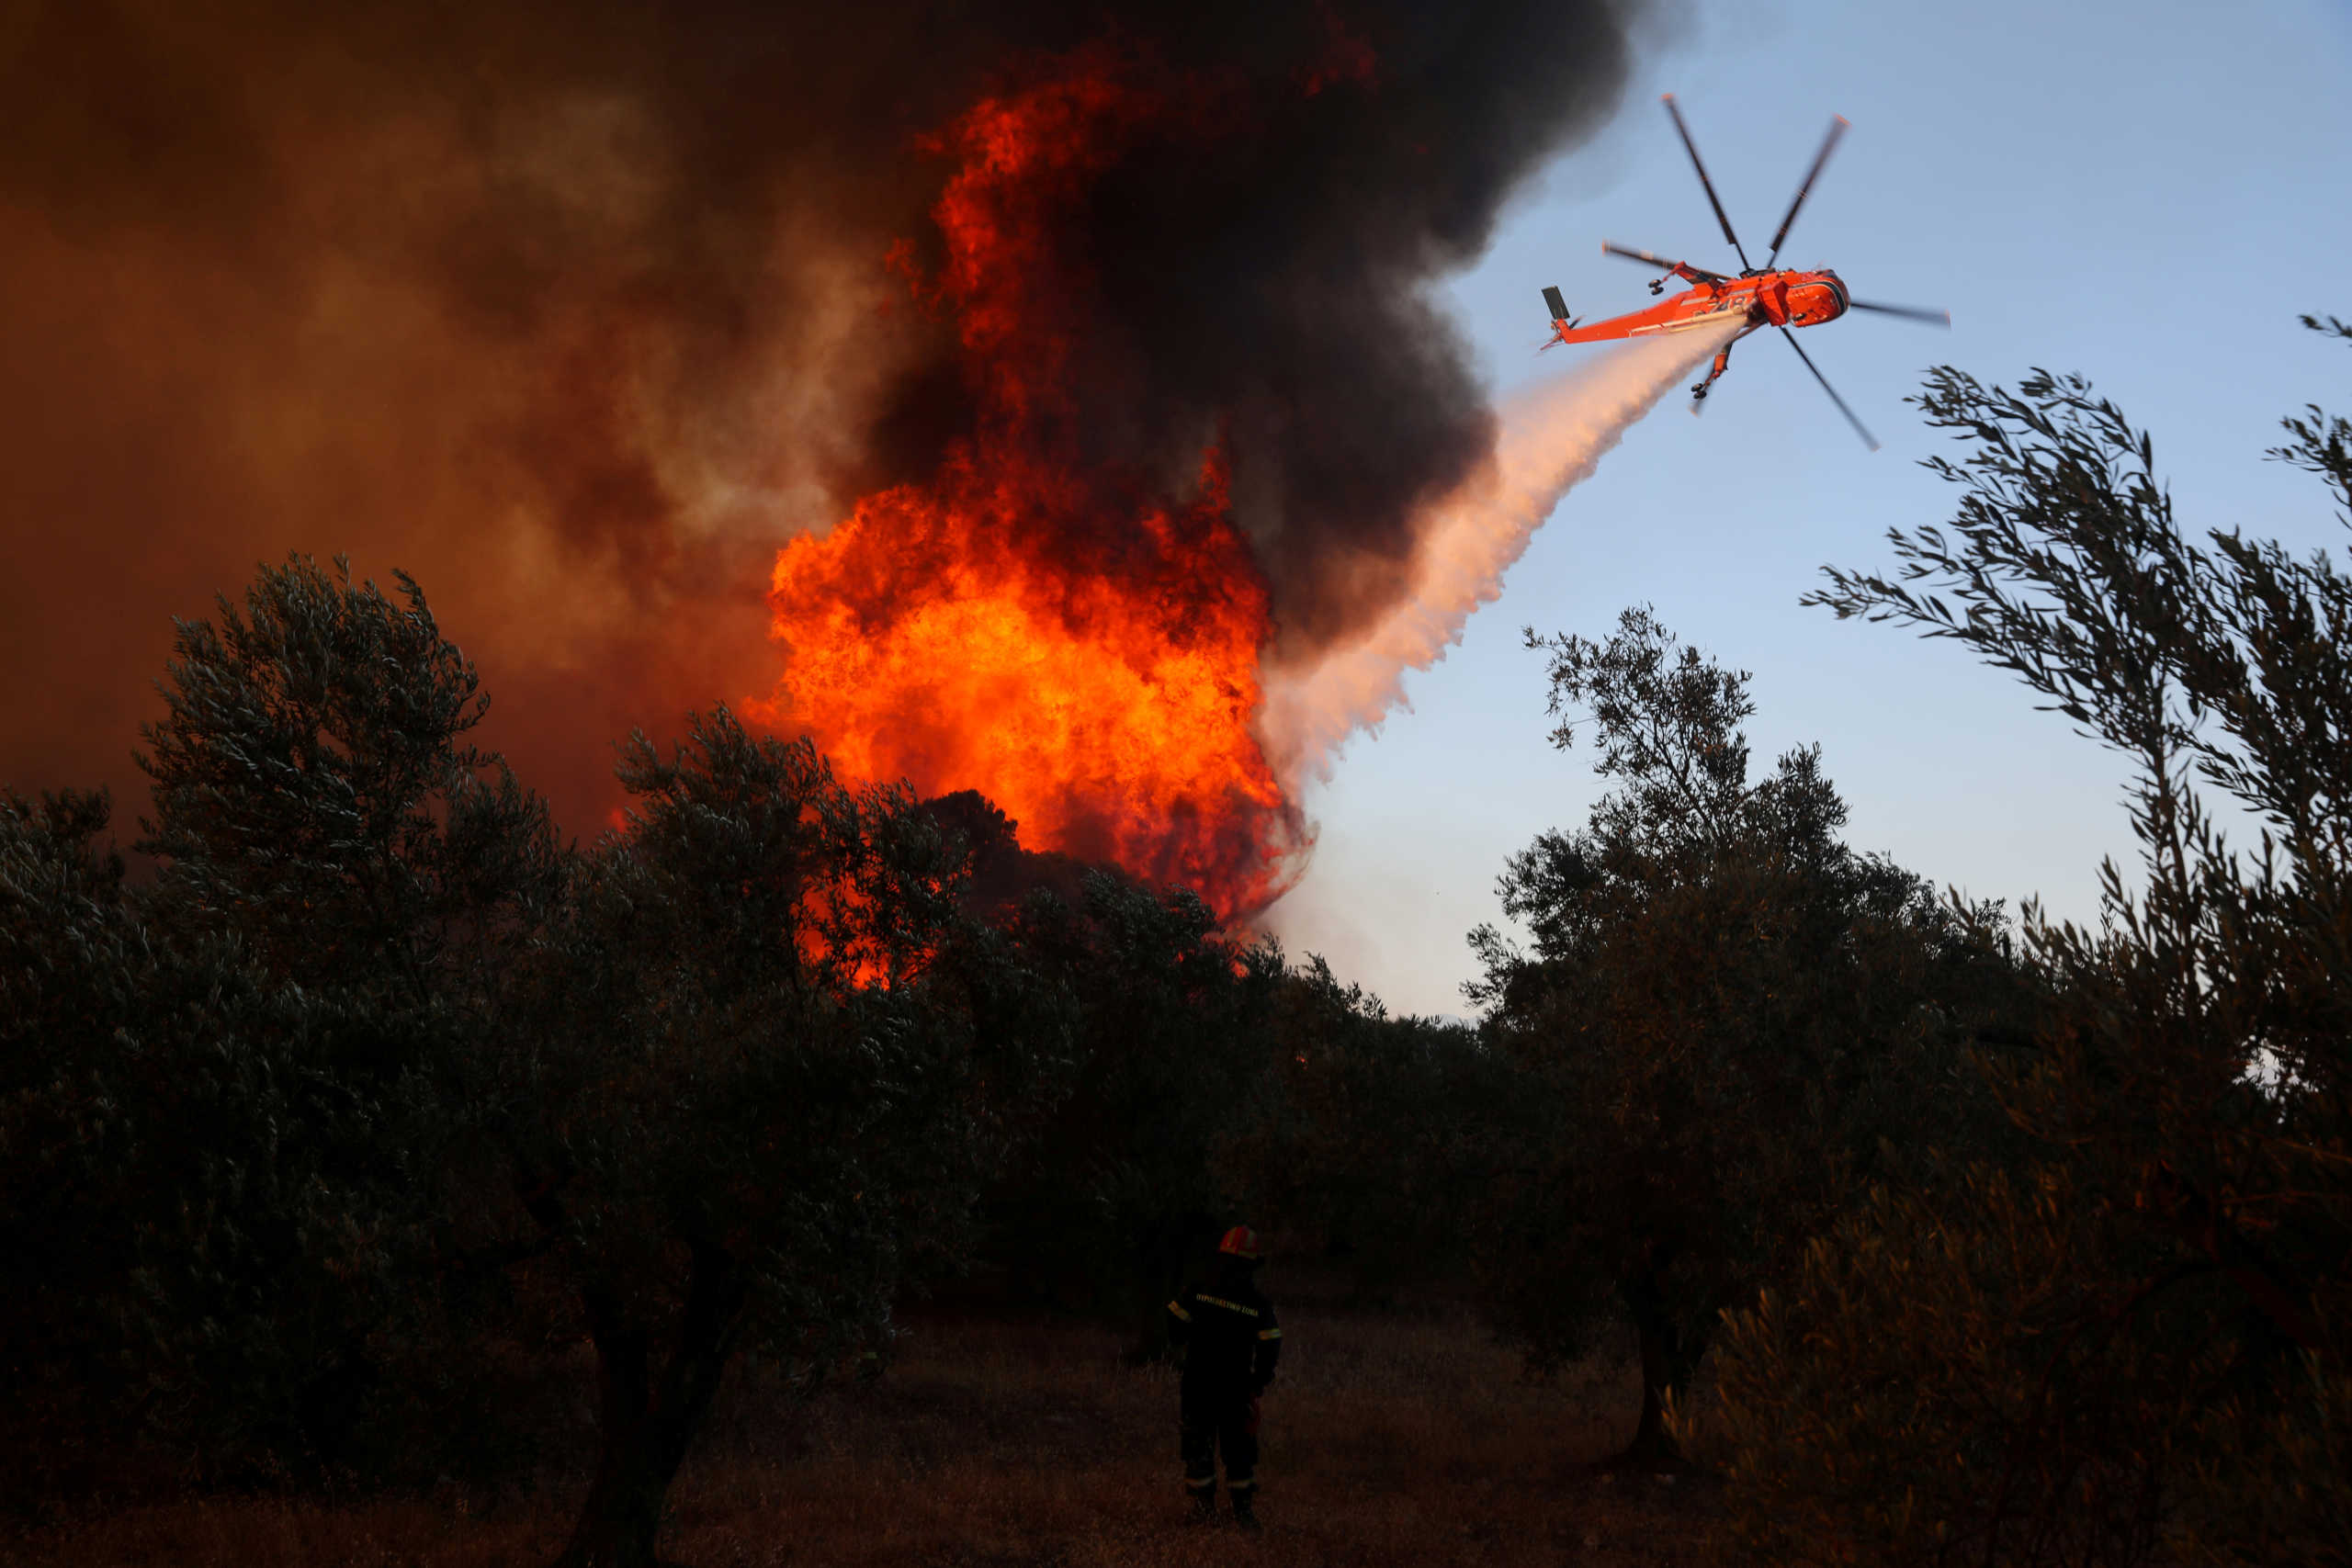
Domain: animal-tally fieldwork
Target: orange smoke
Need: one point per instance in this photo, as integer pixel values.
(1066, 638)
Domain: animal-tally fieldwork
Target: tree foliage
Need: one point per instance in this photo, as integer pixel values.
(241, 1070)
(2155, 1298)
(314, 792)
(1372, 1136)
(1106, 1207)
(769, 1064)
(379, 1087)
(1726, 1015)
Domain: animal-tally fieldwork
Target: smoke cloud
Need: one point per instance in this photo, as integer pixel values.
(578, 311)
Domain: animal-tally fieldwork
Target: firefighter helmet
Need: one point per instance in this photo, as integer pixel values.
(1240, 1242)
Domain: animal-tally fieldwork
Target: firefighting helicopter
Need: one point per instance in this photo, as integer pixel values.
(1763, 296)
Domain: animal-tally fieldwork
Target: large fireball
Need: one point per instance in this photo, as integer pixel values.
(1079, 643)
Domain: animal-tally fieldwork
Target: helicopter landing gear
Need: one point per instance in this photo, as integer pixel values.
(1721, 364)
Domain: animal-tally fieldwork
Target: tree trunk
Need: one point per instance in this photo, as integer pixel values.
(1663, 1368)
(644, 1423)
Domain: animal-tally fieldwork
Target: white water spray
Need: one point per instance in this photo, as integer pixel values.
(1552, 437)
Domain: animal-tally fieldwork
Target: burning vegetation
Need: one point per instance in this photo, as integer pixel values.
(1076, 641)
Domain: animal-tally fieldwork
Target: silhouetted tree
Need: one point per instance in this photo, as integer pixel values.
(378, 1076)
(1375, 1136)
(241, 1075)
(769, 1067)
(314, 794)
(1106, 1207)
(1725, 1014)
(2130, 1346)
(66, 948)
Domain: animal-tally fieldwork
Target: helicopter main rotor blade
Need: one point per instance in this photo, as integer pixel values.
(1692, 148)
(1860, 428)
(1658, 261)
(1837, 130)
(1912, 313)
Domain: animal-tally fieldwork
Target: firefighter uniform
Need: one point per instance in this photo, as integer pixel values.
(1231, 1342)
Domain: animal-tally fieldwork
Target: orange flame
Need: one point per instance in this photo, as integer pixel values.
(1079, 649)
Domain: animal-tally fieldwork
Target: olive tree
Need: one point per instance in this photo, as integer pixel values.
(1373, 1136)
(232, 1087)
(1106, 1207)
(1725, 1016)
(767, 1068)
(2128, 1345)
(381, 1084)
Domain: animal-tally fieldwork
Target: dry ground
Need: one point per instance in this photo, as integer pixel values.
(999, 1440)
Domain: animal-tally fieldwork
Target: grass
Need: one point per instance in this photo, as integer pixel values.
(997, 1441)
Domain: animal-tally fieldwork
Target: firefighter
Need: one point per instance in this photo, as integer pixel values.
(1230, 1342)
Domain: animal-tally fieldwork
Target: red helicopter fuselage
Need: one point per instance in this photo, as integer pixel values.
(1780, 298)
(1754, 299)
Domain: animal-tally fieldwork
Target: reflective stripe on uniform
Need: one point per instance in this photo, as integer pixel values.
(1269, 1334)
(1247, 1484)
(1230, 1307)
(1180, 1311)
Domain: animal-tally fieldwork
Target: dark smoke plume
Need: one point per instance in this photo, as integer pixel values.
(577, 309)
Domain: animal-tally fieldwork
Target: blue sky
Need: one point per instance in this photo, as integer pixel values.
(2149, 193)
